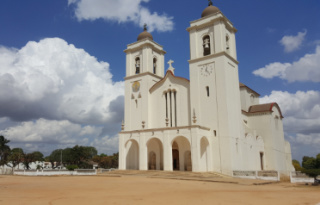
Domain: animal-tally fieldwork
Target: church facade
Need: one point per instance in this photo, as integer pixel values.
(210, 123)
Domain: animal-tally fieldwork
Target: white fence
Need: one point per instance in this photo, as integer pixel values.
(263, 175)
(105, 170)
(55, 172)
(298, 177)
(6, 171)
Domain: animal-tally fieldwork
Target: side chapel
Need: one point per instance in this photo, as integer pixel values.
(210, 123)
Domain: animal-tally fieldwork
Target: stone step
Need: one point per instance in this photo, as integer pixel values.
(168, 174)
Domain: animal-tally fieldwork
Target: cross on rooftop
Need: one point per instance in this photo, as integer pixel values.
(170, 63)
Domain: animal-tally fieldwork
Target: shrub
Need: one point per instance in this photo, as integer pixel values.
(72, 167)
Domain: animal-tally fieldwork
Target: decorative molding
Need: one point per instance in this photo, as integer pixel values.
(214, 55)
(166, 128)
(141, 75)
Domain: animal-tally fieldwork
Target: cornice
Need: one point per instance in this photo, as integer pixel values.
(227, 22)
(141, 75)
(166, 128)
(147, 42)
(164, 79)
(213, 56)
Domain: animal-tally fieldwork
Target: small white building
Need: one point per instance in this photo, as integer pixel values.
(208, 123)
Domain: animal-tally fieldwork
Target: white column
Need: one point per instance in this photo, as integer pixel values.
(167, 153)
(173, 109)
(168, 107)
(143, 153)
(195, 149)
(121, 153)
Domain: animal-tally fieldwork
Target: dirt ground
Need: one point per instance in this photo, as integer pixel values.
(106, 189)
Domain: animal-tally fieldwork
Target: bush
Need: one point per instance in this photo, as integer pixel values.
(72, 167)
(312, 173)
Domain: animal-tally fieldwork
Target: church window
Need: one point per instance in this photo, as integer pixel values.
(206, 45)
(261, 160)
(208, 92)
(171, 107)
(137, 65)
(166, 96)
(227, 42)
(154, 66)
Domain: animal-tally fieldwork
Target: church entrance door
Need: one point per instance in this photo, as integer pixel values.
(155, 154)
(132, 158)
(181, 154)
(175, 159)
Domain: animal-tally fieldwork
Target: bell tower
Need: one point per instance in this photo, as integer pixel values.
(214, 80)
(144, 67)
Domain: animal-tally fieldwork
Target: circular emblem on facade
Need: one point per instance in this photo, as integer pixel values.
(206, 70)
(135, 86)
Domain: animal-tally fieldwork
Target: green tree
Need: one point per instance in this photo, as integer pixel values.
(4, 150)
(81, 155)
(309, 162)
(16, 157)
(38, 156)
(318, 161)
(312, 173)
(296, 165)
(106, 161)
(115, 160)
(55, 156)
(28, 158)
(311, 167)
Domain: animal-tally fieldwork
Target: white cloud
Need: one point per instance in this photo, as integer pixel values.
(54, 80)
(108, 144)
(312, 139)
(121, 11)
(53, 95)
(46, 135)
(273, 70)
(49, 131)
(301, 112)
(292, 43)
(306, 68)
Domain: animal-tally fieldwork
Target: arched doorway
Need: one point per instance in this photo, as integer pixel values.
(155, 154)
(181, 154)
(132, 157)
(175, 156)
(204, 154)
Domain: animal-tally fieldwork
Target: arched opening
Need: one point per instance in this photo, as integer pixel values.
(154, 66)
(204, 154)
(152, 161)
(155, 154)
(175, 156)
(132, 157)
(227, 43)
(181, 154)
(206, 45)
(137, 65)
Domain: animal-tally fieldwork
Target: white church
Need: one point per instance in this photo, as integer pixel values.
(210, 123)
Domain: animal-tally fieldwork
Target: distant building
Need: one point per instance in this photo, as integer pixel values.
(208, 123)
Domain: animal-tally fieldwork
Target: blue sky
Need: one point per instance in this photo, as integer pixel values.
(62, 64)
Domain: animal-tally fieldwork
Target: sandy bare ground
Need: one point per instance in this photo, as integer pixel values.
(128, 189)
